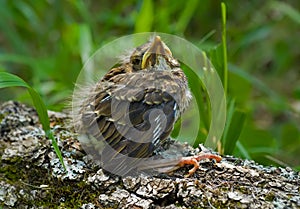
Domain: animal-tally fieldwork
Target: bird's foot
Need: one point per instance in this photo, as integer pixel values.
(194, 160)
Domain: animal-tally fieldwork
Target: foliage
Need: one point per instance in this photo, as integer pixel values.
(10, 80)
(47, 42)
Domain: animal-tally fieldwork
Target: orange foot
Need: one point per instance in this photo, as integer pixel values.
(194, 160)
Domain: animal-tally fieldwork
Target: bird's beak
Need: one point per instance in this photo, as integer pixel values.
(156, 49)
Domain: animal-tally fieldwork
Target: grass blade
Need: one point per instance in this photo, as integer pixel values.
(234, 130)
(144, 19)
(225, 78)
(10, 80)
(243, 150)
(287, 9)
(186, 16)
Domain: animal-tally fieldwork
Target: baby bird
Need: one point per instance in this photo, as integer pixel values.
(130, 113)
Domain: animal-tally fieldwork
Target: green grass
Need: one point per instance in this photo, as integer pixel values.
(10, 80)
(253, 46)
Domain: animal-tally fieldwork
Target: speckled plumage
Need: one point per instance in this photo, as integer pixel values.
(133, 108)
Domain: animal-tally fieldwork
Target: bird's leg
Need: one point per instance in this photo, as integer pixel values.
(194, 160)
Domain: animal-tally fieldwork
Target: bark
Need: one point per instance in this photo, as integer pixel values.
(31, 175)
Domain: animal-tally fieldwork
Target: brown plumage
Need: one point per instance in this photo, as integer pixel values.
(132, 110)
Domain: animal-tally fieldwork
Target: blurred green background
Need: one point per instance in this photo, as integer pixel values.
(47, 42)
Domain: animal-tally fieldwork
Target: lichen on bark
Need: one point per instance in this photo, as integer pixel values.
(31, 175)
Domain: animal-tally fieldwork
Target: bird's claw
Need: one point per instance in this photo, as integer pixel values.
(194, 160)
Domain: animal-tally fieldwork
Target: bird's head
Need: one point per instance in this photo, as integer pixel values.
(154, 55)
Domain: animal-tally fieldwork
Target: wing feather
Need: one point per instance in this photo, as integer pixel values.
(123, 105)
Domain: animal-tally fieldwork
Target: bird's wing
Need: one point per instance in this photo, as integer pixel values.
(133, 113)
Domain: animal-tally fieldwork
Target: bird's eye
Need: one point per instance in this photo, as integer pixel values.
(136, 62)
